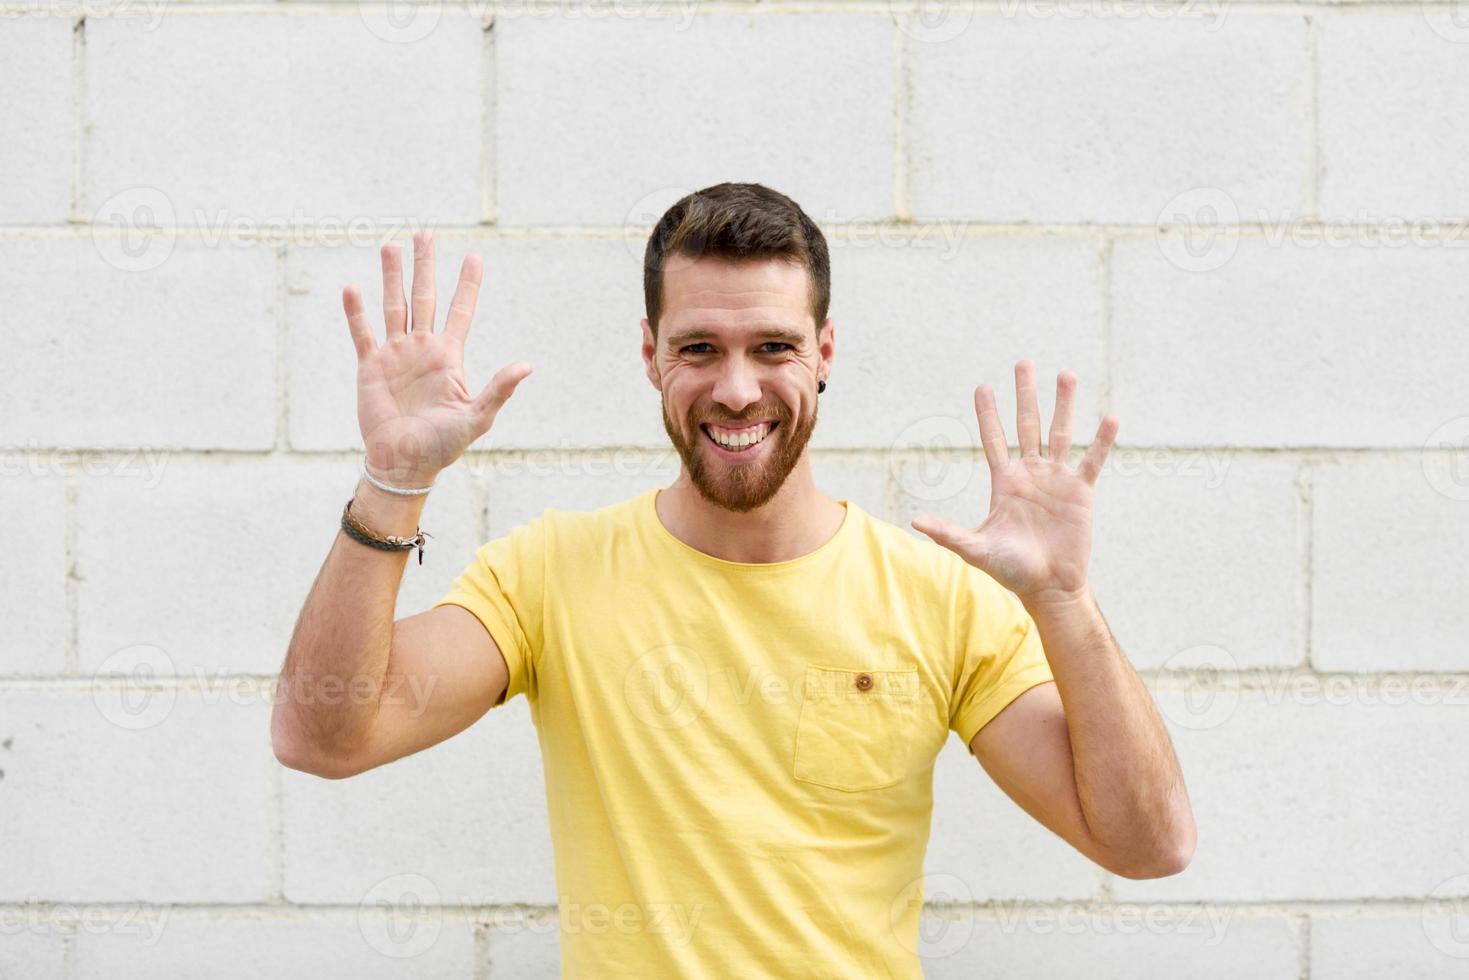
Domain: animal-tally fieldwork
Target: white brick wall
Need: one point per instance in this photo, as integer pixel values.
(1243, 226)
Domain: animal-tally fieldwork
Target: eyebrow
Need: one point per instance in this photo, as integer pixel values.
(793, 337)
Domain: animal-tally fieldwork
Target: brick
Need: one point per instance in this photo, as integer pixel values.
(241, 142)
(409, 943)
(180, 354)
(1110, 943)
(1067, 119)
(33, 591)
(235, 607)
(35, 69)
(569, 151)
(1389, 152)
(919, 326)
(1381, 529)
(468, 815)
(163, 796)
(1314, 790)
(1407, 945)
(1288, 345)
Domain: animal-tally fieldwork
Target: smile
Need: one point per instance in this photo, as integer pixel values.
(738, 440)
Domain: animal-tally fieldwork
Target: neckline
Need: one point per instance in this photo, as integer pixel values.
(829, 546)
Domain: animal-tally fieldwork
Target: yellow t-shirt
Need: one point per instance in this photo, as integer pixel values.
(739, 757)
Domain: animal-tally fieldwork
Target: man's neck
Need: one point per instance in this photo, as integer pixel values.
(795, 522)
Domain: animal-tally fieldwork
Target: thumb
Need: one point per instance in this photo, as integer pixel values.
(940, 529)
(489, 401)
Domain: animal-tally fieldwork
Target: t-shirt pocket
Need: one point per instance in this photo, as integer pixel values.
(857, 728)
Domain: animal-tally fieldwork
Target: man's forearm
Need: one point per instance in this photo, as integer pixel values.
(1127, 776)
(332, 678)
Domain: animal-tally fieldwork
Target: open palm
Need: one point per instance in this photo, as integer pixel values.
(1036, 540)
(415, 411)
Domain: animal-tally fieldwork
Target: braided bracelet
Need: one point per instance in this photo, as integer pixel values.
(358, 531)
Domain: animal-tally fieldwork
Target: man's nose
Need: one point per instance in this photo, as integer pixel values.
(738, 385)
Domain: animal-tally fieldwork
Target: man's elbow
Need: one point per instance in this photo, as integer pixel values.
(1162, 861)
(294, 753)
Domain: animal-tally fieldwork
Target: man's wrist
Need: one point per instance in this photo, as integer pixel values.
(387, 513)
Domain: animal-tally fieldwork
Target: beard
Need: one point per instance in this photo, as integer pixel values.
(738, 486)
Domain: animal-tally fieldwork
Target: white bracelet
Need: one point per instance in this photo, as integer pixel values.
(387, 489)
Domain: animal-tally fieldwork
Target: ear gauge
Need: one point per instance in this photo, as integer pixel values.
(820, 386)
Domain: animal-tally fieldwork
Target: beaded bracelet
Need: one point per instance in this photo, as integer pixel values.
(358, 531)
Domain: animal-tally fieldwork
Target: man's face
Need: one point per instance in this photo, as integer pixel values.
(737, 358)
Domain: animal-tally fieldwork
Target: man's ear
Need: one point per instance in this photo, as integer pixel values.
(650, 355)
(826, 343)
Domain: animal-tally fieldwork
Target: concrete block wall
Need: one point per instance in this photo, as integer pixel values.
(1243, 226)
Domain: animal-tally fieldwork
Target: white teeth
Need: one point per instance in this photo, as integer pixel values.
(740, 440)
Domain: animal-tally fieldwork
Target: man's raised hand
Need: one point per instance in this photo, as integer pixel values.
(1036, 540)
(416, 414)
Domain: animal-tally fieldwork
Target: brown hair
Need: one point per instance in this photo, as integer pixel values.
(737, 222)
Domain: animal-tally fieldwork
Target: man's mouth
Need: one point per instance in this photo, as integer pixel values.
(738, 439)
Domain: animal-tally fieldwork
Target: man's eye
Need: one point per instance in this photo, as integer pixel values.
(690, 347)
(775, 343)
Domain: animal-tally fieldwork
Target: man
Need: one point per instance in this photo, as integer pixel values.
(740, 684)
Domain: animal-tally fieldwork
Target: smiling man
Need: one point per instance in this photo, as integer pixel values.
(740, 684)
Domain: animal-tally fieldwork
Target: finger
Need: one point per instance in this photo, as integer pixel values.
(423, 282)
(1059, 443)
(1027, 412)
(991, 432)
(498, 391)
(1096, 454)
(357, 322)
(395, 307)
(466, 294)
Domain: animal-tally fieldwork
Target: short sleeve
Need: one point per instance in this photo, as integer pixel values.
(1001, 652)
(504, 587)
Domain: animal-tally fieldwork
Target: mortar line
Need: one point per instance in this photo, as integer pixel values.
(78, 107)
(489, 116)
(70, 654)
(1304, 931)
(902, 95)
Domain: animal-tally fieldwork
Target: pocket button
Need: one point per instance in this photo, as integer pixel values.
(864, 681)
